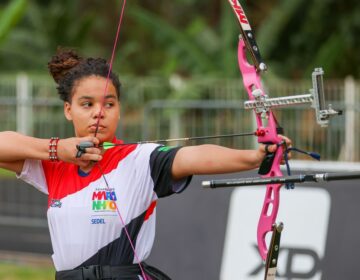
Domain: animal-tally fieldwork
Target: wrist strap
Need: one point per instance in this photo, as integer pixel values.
(53, 149)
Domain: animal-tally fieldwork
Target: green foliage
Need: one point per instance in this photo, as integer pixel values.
(275, 24)
(10, 16)
(6, 174)
(192, 37)
(43, 28)
(299, 35)
(187, 47)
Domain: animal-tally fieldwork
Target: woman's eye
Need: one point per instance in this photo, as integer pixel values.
(86, 104)
(109, 105)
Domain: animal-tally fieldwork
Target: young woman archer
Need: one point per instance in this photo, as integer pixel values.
(88, 194)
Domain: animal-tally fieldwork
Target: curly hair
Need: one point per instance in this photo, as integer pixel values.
(67, 67)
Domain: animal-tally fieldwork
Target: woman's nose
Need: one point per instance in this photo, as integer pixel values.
(99, 112)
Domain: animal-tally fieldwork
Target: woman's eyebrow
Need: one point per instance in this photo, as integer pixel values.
(109, 96)
(106, 97)
(85, 97)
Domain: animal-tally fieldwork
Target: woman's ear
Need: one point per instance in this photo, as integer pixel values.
(67, 111)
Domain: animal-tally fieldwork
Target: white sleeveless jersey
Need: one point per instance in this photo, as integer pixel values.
(84, 224)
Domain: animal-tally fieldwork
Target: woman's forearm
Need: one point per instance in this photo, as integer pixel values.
(212, 159)
(16, 147)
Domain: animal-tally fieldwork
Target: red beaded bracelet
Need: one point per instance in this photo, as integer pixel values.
(53, 149)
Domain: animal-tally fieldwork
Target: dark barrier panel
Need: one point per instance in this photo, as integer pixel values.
(191, 232)
(18, 200)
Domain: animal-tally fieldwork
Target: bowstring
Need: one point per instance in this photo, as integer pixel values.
(111, 64)
(97, 128)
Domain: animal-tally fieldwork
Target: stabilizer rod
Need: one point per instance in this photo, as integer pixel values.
(318, 177)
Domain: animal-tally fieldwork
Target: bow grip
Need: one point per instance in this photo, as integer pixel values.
(268, 160)
(267, 163)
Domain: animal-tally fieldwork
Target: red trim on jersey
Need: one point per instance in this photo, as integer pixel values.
(150, 210)
(63, 179)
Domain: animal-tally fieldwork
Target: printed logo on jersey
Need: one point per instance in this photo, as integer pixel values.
(104, 200)
(56, 203)
(98, 221)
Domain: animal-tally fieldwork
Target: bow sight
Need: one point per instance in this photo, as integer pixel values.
(316, 97)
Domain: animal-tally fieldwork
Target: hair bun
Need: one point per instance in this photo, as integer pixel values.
(61, 63)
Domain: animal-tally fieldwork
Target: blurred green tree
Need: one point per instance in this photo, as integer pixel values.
(298, 35)
(187, 37)
(10, 16)
(44, 26)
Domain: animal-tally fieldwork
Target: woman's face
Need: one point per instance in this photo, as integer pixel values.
(89, 103)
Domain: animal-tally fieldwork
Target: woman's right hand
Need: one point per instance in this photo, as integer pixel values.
(67, 151)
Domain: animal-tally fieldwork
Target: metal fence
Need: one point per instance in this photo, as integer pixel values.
(154, 108)
(21, 204)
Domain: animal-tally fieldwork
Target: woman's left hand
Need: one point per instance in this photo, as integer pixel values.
(264, 149)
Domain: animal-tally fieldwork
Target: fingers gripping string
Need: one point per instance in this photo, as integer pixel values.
(82, 148)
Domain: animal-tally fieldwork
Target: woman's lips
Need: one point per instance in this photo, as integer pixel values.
(93, 127)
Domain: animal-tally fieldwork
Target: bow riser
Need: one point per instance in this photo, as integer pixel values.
(268, 217)
(267, 133)
(252, 83)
